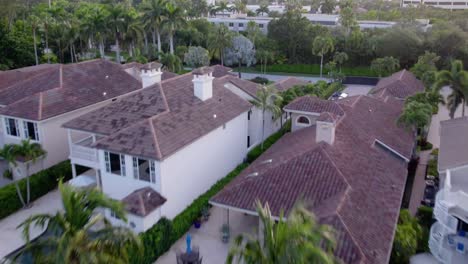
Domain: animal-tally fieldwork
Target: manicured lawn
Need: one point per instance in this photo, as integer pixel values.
(312, 69)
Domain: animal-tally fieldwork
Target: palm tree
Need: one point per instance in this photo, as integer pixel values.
(172, 62)
(321, 46)
(299, 239)
(116, 24)
(34, 21)
(8, 153)
(76, 235)
(240, 6)
(30, 152)
(457, 79)
(153, 15)
(173, 20)
(269, 100)
(262, 9)
(94, 26)
(340, 58)
(416, 115)
(46, 20)
(133, 32)
(219, 40)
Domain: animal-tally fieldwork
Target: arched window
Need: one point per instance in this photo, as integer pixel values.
(303, 120)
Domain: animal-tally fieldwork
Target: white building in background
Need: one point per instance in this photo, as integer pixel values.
(448, 239)
(160, 148)
(448, 4)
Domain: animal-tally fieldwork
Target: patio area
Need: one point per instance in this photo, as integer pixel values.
(208, 237)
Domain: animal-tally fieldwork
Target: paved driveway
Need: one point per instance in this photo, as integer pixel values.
(10, 237)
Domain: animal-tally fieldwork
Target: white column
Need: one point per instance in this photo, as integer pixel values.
(98, 182)
(73, 170)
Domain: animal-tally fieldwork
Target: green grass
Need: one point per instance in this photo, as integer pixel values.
(312, 70)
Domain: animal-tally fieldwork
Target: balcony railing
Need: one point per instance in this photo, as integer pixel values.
(82, 150)
(441, 212)
(444, 244)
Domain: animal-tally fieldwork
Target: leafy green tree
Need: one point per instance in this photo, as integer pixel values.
(299, 239)
(385, 66)
(416, 115)
(429, 96)
(457, 79)
(321, 46)
(218, 41)
(263, 9)
(173, 20)
(426, 63)
(406, 238)
(348, 20)
(328, 6)
(30, 153)
(116, 23)
(34, 22)
(253, 31)
(171, 62)
(8, 153)
(240, 52)
(197, 57)
(403, 43)
(76, 233)
(264, 56)
(340, 58)
(153, 16)
(268, 99)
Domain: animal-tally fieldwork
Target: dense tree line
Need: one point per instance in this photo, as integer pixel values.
(74, 30)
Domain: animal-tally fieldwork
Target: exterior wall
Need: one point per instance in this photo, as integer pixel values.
(255, 122)
(192, 170)
(117, 186)
(296, 126)
(445, 4)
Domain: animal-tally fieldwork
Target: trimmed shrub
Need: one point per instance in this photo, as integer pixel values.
(435, 152)
(315, 69)
(40, 183)
(260, 80)
(432, 168)
(425, 145)
(424, 216)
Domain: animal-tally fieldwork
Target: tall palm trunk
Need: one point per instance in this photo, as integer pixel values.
(263, 127)
(321, 66)
(222, 56)
(153, 35)
(101, 48)
(35, 47)
(158, 34)
(171, 42)
(146, 43)
(20, 196)
(47, 44)
(28, 187)
(117, 48)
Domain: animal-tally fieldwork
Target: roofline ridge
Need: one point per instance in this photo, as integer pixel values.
(40, 105)
(322, 148)
(155, 137)
(141, 203)
(358, 246)
(31, 77)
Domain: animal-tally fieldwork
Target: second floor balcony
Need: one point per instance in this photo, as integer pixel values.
(82, 151)
(452, 199)
(448, 247)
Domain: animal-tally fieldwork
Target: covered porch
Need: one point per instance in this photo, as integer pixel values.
(209, 237)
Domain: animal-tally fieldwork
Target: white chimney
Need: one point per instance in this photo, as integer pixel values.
(325, 130)
(203, 83)
(150, 74)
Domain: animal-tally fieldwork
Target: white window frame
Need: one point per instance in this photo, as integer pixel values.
(8, 127)
(152, 166)
(152, 169)
(122, 165)
(107, 161)
(136, 168)
(303, 124)
(26, 133)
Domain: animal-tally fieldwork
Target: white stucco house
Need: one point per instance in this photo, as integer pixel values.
(160, 148)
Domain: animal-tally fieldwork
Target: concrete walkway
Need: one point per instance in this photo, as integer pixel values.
(10, 237)
(208, 237)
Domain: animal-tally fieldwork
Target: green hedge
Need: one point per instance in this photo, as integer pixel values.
(160, 237)
(314, 69)
(40, 183)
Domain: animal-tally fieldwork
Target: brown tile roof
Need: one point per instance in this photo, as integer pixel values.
(220, 71)
(400, 85)
(161, 119)
(314, 105)
(10, 77)
(152, 65)
(248, 87)
(59, 89)
(353, 185)
(453, 150)
(288, 83)
(143, 201)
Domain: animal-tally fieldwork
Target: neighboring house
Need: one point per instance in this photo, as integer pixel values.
(158, 149)
(35, 102)
(347, 160)
(289, 82)
(400, 85)
(448, 241)
(451, 4)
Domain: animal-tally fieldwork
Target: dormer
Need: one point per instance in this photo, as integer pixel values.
(203, 83)
(151, 74)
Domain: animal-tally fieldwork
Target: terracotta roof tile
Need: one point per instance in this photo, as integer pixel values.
(400, 85)
(314, 105)
(143, 201)
(65, 88)
(353, 185)
(288, 83)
